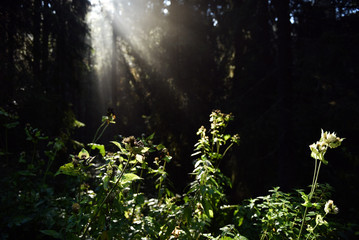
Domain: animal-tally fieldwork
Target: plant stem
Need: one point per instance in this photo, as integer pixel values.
(103, 202)
(224, 153)
(98, 129)
(264, 234)
(316, 225)
(316, 179)
(314, 184)
(103, 130)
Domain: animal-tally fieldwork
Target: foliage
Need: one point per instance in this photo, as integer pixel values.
(283, 215)
(28, 201)
(123, 191)
(122, 195)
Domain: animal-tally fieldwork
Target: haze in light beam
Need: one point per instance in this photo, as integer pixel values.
(138, 27)
(134, 21)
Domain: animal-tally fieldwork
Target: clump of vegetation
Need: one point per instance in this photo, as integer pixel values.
(298, 215)
(123, 191)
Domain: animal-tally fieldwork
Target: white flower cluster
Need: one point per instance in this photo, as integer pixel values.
(330, 207)
(320, 147)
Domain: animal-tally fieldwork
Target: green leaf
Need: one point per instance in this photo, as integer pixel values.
(68, 169)
(52, 233)
(129, 177)
(167, 158)
(170, 227)
(226, 238)
(139, 158)
(226, 137)
(324, 161)
(304, 196)
(207, 208)
(99, 147)
(83, 154)
(105, 180)
(159, 147)
(144, 150)
(196, 153)
(187, 214)
(118, 145)
(150, 137)
(307, 204)
(240, 221)
(78, 124)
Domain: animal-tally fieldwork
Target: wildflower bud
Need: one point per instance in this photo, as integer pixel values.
(199, 209)
(75, 208)
(319, 220)
(176, 232)
(331, 139)
(317, 150)
(165, 151)
(330, 207)
(314, 148)
(201, 131)
(129, 141)
(322, 146)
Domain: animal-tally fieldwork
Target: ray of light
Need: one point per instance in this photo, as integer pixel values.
(132, 30)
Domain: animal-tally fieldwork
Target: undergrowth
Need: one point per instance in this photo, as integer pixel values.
(124, 191)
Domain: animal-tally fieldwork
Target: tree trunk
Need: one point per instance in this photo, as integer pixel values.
(36, 51)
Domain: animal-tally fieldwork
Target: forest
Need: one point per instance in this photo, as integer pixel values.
(179, 119)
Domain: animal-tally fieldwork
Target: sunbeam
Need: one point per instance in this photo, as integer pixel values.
(122, 29)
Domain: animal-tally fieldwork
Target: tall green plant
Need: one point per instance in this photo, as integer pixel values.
(206, 192)
(282, 215)
(318, 149)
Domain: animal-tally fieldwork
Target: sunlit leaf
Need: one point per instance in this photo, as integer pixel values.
(167, 158)
(207, 208)
(129, 177)
(139, 158)
(226, 238)
(240, 221)
(68, 169)
(196, 153)
(99, 147)
(226, 137)
(118, 145)
(77, 124)
(83, 154)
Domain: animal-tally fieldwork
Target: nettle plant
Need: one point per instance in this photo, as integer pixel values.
(114, 196)
(125, 194)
